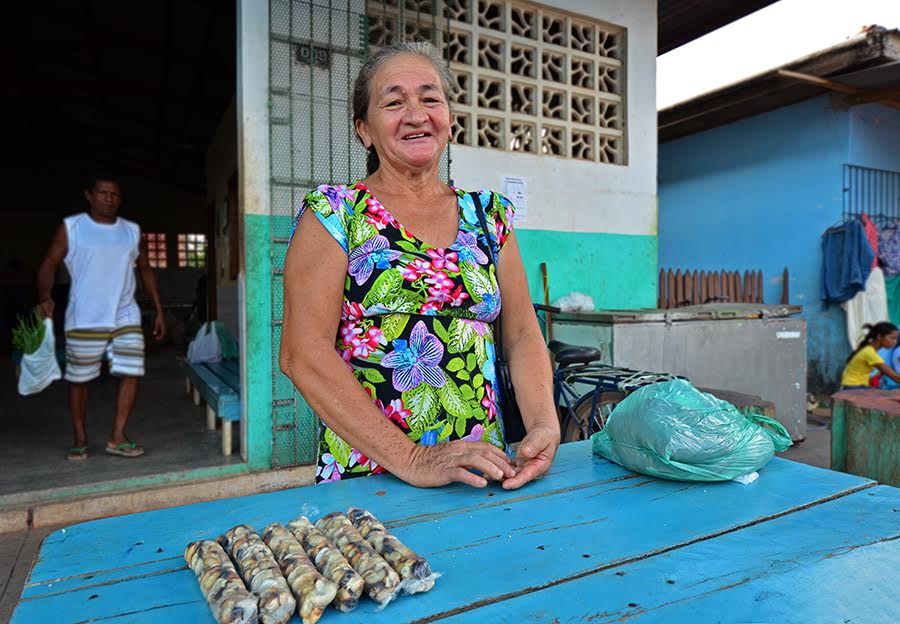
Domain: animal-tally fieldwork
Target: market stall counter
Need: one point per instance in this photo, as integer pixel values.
(588, 542)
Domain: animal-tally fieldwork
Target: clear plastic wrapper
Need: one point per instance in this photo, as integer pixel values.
(381, 580)
(261, 573)
(313, 591)
(415, 573)
(330, 562)
(225, 592)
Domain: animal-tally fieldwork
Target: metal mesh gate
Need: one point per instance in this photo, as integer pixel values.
(316, 48)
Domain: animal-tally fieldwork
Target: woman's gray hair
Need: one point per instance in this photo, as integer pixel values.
(362, 88)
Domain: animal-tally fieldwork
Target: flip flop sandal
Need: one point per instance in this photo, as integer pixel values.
(126, 449)
(78, 453)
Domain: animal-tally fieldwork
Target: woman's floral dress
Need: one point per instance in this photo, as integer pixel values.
(415, 322)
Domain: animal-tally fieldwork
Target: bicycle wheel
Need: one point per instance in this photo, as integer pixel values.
(585, 423)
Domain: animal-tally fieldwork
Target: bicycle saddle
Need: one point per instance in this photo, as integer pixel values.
(556, 346)
(566, 354)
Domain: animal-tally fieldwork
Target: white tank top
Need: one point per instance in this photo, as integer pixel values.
(101, 261)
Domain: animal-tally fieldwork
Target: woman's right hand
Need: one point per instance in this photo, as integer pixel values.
(449, 462)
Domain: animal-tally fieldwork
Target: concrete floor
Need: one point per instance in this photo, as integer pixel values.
(37, 433)
(815, 450)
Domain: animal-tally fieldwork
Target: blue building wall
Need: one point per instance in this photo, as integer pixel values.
(875, 137)
(758, 193)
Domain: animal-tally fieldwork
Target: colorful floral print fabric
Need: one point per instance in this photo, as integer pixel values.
(415, 323)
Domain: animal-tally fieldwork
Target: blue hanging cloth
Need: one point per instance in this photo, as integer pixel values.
(847, 260)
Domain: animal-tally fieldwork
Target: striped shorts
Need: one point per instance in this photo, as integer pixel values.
(85, 348)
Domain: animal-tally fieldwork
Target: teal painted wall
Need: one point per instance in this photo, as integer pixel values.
(618, 271)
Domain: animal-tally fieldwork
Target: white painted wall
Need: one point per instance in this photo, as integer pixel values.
(576, 196)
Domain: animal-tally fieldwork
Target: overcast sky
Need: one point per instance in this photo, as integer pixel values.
(773, 36)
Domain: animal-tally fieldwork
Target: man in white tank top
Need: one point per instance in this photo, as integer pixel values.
(100, 250)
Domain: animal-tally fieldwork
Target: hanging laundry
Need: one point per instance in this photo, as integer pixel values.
(846, 261)
(871, 236)
(889, 249)
(868, 306)
(892, 286)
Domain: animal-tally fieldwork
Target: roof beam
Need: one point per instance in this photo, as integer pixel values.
(875, 95)
(834, 86)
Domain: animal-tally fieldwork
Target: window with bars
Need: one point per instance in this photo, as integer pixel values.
(192, 251)
(527, 78)
(156, 249)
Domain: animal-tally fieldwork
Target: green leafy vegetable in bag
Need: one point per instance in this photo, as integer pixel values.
(29, 333)
(673, 431)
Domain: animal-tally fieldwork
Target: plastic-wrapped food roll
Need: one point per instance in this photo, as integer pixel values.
(225, 592)
(261, 573)
(410, 566)
(313, 591)
(330, 562)
(381, 580)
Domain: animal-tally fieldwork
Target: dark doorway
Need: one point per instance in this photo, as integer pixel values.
(145, 91)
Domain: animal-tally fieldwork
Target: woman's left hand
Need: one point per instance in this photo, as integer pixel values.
(534, 456)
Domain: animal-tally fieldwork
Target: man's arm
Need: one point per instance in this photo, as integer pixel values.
(148, 277)
(47, 273)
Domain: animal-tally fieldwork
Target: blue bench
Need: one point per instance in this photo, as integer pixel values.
(219, 386)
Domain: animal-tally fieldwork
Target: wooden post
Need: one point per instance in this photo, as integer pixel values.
(703, 287)
(210, 418)
(670, 288)
(548, 316)
(226, 438)
(736, 286)
(688, 289)
(839, 436)
(196, 397)
(661, 287)
(187, 385)
(760, 285)
(696, 279)
(785, 287)
(679, 289)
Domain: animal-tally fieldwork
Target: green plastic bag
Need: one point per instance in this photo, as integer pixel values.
(673, 431)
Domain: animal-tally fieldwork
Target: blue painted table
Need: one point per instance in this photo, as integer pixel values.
(589, 542)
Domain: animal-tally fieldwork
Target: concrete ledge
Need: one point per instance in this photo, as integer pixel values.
(85, 508)
(14, 520)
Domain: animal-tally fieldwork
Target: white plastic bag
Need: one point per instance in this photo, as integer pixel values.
(205, 346)
(40, 369)
(575, 302)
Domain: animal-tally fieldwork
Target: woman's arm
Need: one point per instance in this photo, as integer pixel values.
(887, 370)
(529, 366)
(314, 275)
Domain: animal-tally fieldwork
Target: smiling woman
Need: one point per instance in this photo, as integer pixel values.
(391, 296)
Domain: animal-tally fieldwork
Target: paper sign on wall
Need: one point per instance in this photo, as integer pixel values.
(516, 189)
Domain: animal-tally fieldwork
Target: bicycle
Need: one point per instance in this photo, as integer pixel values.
(583, 414)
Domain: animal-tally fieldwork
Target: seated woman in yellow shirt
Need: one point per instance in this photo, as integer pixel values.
(865, 358)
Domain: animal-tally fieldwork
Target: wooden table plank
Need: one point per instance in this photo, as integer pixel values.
(563, 525)
(90, 547)
(833, 562)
